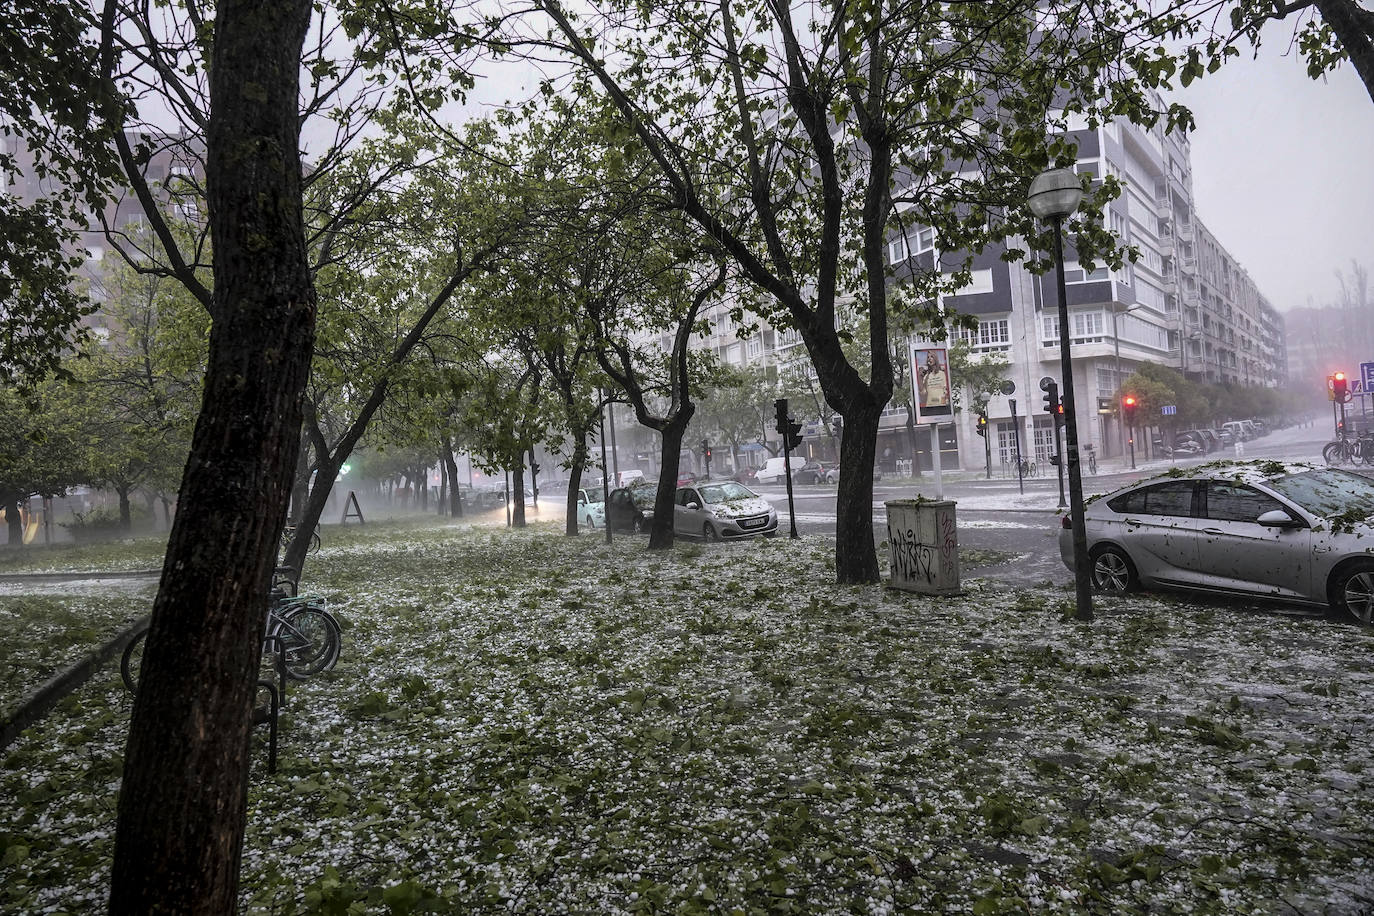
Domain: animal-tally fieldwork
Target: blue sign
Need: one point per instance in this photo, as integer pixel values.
(1169, 410)
(1367, 376)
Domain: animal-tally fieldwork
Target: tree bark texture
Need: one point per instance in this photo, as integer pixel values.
(182, 806)
(579, 461)
(1354, 27)
(14, 525)
(517, 496)
(856, 559)
(661, 531)
(455, 495)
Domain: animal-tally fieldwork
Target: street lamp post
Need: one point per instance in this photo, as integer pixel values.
(1054, 195)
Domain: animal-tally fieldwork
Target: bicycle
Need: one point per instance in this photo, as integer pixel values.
(1346, 450)
(1091, 452)
(301, 634)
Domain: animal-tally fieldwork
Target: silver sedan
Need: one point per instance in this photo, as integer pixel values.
(725, 510)
(1289, 532)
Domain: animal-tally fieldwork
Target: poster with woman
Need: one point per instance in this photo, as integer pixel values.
(930, 370)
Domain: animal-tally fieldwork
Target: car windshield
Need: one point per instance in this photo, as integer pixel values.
(1328, 491)
(724, 492)
(594, 495)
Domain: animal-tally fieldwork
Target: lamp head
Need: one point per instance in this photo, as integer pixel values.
(1054, 194)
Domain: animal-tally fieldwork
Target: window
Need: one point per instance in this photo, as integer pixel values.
(897, 251)
(992, 333)
(1174, 499)
(1049, 335)
(1087, 324)
(754, 346)
(980, 281)
(1230, 502)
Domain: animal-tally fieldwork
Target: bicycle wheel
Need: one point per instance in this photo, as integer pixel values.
(310, 639)
(131, 662)
(1336, 453)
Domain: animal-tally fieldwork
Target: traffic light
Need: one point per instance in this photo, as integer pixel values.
(837, 425)
(780, 411)
(1051, 398)
(982, 425)
(1128, 406)
(794, 436)
(1339, 388)
(705, 449)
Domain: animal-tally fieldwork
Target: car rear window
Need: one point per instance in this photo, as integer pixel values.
(1172, 498)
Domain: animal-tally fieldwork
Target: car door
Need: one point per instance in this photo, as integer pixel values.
(1240, 554)
(685, 520)
(1159, 530)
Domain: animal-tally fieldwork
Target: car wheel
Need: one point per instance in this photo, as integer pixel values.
(709, 532)
(1113, 571)
(1352, 591)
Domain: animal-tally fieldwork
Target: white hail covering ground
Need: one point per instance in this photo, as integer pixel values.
(525, 722)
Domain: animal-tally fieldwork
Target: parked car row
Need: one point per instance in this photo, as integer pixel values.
(1205, 441)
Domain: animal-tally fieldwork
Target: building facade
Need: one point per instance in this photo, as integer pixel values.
(1185, 302)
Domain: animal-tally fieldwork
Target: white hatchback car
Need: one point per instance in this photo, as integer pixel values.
(1263, 529)
(726, 510)
(591, 508)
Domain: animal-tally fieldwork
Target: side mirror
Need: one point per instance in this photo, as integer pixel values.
(1277, 518)
(693, 504)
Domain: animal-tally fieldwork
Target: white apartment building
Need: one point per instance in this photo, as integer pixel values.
(1185, 303)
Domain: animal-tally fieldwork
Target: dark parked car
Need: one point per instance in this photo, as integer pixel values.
(630, 509)
(810, 472)
(746, 475)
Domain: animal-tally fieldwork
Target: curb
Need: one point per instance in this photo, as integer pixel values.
(62, 684)
(77, 575)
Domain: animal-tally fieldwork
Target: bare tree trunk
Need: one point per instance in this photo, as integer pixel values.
(183, 801)
(126, 517)
(661, 534)
(1355, 29)
(14, 525)
(579, 461)
(455, 492)
(856, 559)
(442, 506)
(517, 495)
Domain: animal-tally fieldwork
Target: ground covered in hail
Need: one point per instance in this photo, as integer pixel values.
(524, 722)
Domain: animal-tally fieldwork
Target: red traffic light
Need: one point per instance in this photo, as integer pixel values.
(1339, 376)
(1128, 400)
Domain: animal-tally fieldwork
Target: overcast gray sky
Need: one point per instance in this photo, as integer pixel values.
(1283, 171)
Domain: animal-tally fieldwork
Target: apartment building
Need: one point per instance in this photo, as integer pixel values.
(174, 171)
(1185, 302)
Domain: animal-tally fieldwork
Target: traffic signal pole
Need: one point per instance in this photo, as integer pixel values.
(786, 428)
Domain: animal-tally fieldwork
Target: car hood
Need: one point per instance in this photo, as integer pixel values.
(736, 508)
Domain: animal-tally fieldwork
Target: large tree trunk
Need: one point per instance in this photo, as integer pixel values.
(126, 515)
(517, 496)
(14, 525)
(455, 493)
(579, 461)
(183, 802)
(1355, 29)
(661, 534)
(856, 558)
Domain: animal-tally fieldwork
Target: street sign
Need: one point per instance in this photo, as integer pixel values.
(1367, 376)
(1169, 410)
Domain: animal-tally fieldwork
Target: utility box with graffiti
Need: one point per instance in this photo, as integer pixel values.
(923, 546)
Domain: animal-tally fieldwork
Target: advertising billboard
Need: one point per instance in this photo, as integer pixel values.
(930, 378)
